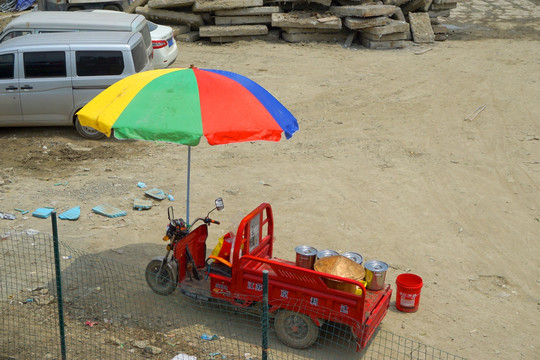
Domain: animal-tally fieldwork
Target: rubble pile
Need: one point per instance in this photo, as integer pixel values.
(386, 24)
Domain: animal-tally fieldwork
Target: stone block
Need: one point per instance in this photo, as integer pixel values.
(233, 30)
(395, 2)
(387, 37)
(303, 20)
(243, 20)
(272, 36)
(384, 45)
(191, 36)
(439, 29)
(180, 29)
(393, 27)
(421, 29)
(440, 7)
(363, 10)
(314, 37)
(260, 10)
(309, 31)
(169, 16)
(438, 2)
(441, 37)
(214, 5)
(166, 4)
(441, 13)
(355, 23)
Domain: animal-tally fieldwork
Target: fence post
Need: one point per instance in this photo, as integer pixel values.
(265, 322)
(59, 286)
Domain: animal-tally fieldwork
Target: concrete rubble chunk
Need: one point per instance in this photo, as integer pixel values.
(303, 2)
(309, 31)
(355, 23)
(384, 45)
(180, 29)
(243, 20)
(272, 36)
(421, 29)
(439, 29)
(398, 15)
(166, 4)
(260, 10)
(413, 5)
(438, 2)
(440, 7)
(427, 5)
(388, 37)
(191, 36)
(314, 37)
(363, 10)
(214, 5)
(233, 30)
(303, 20)
(395, 2)
(177, 17)
(393, 27)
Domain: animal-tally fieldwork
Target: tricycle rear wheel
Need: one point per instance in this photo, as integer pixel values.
(295, 330)
(163, 283)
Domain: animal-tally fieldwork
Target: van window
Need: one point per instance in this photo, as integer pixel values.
(44, 64)
(145, 32)
(7, 66)
(95, 63)
(140, 58)
(15, 34)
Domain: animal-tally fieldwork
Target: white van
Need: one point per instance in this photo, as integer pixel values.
(39, 22)
(46, 78)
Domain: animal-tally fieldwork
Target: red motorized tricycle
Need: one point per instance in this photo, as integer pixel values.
(233, 273)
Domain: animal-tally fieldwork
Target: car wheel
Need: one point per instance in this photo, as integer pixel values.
(75, 8)
(87, 132)
(295, 330)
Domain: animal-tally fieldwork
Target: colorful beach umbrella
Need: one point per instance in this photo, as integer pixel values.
(181, 105)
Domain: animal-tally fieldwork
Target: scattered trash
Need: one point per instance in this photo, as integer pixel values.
(216, 354)
(7, 216)
(171, 198)
(475, 113)
(90, 323)
(156, 193)
(208, 337)
(108, 210)
(67, 257)
(139, 204)
(22, 211)
(184, 357)
(58, 184)
(71, 214)
(141, 184)
(43, 213)
(31, 232)
(28, 301)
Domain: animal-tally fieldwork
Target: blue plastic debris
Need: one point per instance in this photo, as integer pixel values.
(108, 210)
(141, 184)
(156, 193)
(42, 213)
(171, 198)
(208, 337)
(139, 204)
(71, 214)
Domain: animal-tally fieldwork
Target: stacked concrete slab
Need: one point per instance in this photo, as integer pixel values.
(382, 24)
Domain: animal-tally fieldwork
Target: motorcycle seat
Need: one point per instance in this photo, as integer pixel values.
(220, 269)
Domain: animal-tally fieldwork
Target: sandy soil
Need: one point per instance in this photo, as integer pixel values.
(386, 163)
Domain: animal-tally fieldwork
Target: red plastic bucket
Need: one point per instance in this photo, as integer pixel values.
(408, 292)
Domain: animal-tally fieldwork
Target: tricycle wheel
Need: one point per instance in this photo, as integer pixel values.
(163, 283)
(295, 330)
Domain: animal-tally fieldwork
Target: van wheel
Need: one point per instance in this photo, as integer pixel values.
(112, 8)
(75, 8)
(295, 330)
(87, 132)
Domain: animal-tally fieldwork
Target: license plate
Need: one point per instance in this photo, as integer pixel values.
(170, 42)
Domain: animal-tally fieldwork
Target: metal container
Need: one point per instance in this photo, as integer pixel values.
(375, 274)
(305, 256)
(325, 253)
(356, 257)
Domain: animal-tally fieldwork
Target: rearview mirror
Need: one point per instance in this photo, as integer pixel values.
(219, 204)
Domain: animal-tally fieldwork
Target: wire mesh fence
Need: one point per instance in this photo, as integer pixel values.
(109, 312)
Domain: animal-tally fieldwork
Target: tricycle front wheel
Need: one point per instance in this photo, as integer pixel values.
(295, 330)
(163, 282)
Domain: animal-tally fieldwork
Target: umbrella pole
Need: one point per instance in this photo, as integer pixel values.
(188, 171)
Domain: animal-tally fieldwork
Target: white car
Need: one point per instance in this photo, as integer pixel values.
(164, 44)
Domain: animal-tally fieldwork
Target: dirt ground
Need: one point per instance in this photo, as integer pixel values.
(390, 161)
